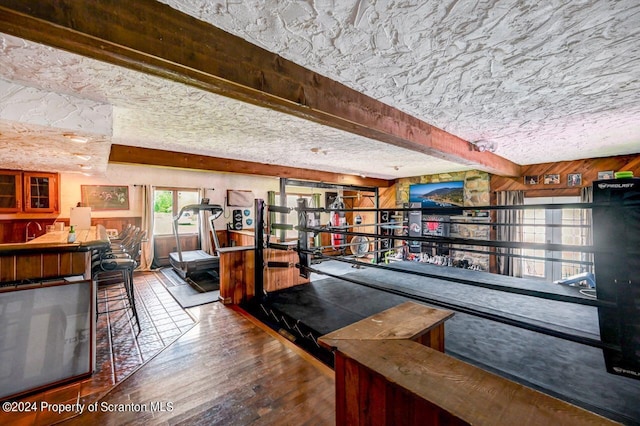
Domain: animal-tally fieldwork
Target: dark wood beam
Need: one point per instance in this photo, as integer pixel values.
(121, 154)
(149, 36)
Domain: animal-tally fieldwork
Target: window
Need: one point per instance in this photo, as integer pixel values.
(167, 203)
(554, 226)
(534, 231)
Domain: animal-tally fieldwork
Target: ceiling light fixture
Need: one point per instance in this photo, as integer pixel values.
(83, 157)
(318, 151)
(85, 167)
(75, 138)
(483, 145)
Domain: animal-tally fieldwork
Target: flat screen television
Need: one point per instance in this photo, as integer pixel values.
(441, 194)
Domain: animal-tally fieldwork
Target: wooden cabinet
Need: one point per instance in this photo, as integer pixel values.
(40, 192)
(10, 191)
(241, 238)
(28, 192)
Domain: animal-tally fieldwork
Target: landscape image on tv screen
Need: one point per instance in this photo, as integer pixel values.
(442, 194)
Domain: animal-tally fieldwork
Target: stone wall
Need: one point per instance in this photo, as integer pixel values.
(476, 193)
(476, 186)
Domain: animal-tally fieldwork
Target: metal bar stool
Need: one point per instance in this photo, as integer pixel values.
(105, 275)
(107, 263)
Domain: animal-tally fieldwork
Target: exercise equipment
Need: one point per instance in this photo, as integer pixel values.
(616, 232)
(403, 238)
(528, 320)
(186, 263)
(338, 221)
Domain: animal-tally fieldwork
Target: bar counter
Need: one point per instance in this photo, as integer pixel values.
(47, 311)
(51, 256)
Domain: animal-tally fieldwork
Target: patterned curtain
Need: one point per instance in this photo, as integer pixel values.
(507, 264)
(146, 256)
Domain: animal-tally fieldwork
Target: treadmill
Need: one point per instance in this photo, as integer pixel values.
(186, 263)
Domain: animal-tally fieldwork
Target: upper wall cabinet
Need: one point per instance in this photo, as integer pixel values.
(10, 191)
(28, 192)
(40, 192)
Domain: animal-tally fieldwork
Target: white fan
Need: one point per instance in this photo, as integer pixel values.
(359, 245)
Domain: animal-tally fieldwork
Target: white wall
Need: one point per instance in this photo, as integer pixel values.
(131, 175)
(144, 175)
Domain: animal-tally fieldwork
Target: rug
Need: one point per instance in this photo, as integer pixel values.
(195, 291)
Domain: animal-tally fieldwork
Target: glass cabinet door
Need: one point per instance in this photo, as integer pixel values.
(40, 192)
(10, 192)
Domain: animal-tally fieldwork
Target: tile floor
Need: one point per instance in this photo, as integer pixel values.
(120, 350)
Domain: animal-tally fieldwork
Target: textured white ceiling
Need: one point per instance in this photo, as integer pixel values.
(546, 81)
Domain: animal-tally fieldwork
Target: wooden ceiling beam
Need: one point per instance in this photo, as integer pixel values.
(149, 36)
(121, 154)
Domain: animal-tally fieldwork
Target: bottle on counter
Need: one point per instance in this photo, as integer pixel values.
(72, 235)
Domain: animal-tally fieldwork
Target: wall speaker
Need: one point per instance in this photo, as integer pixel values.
(237, 220)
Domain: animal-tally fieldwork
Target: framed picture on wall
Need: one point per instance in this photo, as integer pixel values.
(551, 179)
(605, 175)
(531, 180)
(574, 179)
(103, 197)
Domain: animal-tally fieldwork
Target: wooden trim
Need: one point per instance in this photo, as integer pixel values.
(588, 168)
(121, 154)
(151, 37)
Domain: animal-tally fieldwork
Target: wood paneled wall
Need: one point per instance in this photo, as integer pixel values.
(589, 169)
(34, 266)
(164, 245)
(14, 230)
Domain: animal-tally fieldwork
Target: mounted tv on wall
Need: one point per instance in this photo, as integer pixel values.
(441, 194)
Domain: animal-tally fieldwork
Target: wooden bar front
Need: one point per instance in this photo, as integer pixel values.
(237, 278)
(50, 256)
(48, 311)
(237, 271)
(386, 373)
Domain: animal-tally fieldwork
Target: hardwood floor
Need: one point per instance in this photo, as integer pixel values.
(120, 350)
(228, 369)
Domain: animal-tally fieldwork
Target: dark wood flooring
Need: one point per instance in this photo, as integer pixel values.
(230, 370)
(227, 369)
(120, 349)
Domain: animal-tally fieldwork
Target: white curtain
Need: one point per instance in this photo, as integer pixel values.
(204, 228)
(586, 196)
(509, 265)
(146, 257)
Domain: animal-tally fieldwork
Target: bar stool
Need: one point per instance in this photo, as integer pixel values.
(112, 270)
(106, 280)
